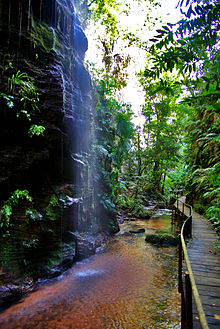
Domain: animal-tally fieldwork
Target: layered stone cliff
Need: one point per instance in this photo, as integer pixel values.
(44, 84)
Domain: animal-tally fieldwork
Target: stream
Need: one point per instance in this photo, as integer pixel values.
(131, 284)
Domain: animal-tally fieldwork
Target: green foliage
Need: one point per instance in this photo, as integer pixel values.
(26, 229)
(32, 261)
(51, 210)
(113, 227)
(9, 99)
(176, 179)
(5, 214)
(102, 11)
(179, 144)
(191, 48)
(140, 212)
(203, 150)
(106, 201)
(6, 211)
(43, 35)
(184, 45)
(36, 130)
(114, 131)
(212, 180)
(23, 83)
(22, 97)
(17, 79)
(33, 215)
(161, 129)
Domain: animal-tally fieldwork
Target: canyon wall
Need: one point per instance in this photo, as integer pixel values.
(47, 130)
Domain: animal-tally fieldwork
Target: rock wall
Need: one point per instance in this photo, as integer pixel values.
(44, 41)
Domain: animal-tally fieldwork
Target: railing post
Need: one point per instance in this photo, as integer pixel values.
(190, 226)
(183, 311)
(180, 281)
(189, 320)
(178, 220)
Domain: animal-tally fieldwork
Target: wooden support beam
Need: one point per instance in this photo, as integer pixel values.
(188, 289)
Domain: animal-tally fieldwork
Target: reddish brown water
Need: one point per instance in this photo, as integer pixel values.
(130, 285)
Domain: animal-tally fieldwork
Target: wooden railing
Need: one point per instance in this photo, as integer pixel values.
(187, 286)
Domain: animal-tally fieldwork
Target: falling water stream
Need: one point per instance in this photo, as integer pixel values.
(131, 284)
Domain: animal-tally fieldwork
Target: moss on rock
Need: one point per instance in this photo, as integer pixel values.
(42, 35)
(162, 239)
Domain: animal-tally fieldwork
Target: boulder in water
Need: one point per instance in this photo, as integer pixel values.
(11, 293)
(140, 230)
(162, 240)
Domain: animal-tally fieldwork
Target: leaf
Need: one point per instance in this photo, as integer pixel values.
(165, 27)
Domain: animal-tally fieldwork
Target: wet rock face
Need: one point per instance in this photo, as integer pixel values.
(44, 39)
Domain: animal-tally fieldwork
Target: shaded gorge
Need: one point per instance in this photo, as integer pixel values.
(42, 56)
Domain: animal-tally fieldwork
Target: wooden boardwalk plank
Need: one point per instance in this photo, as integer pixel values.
(205, 264)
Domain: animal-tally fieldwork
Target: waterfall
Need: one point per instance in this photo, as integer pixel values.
(47, 43)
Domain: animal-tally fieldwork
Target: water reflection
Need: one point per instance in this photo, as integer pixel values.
(131, 285)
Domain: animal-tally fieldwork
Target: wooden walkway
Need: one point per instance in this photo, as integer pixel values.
(205, 263)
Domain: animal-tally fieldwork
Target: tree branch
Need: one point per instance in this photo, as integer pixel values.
(91, 3)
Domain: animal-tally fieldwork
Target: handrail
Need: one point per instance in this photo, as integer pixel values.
(183, 206)
(201, 314)
(193, 288)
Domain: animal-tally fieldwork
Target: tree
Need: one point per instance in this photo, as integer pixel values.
(161, 128)
(187, 44)
(114, 127)
(191, 47)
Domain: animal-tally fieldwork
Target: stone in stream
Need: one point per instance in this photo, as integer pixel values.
(162, 240)
(12, 293)
(140, 230)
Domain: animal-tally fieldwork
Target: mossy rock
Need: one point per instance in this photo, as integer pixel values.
(145, 214)
(43, 36)
(140, 230)
(142, 213)
(162, 240)
(161, 205)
